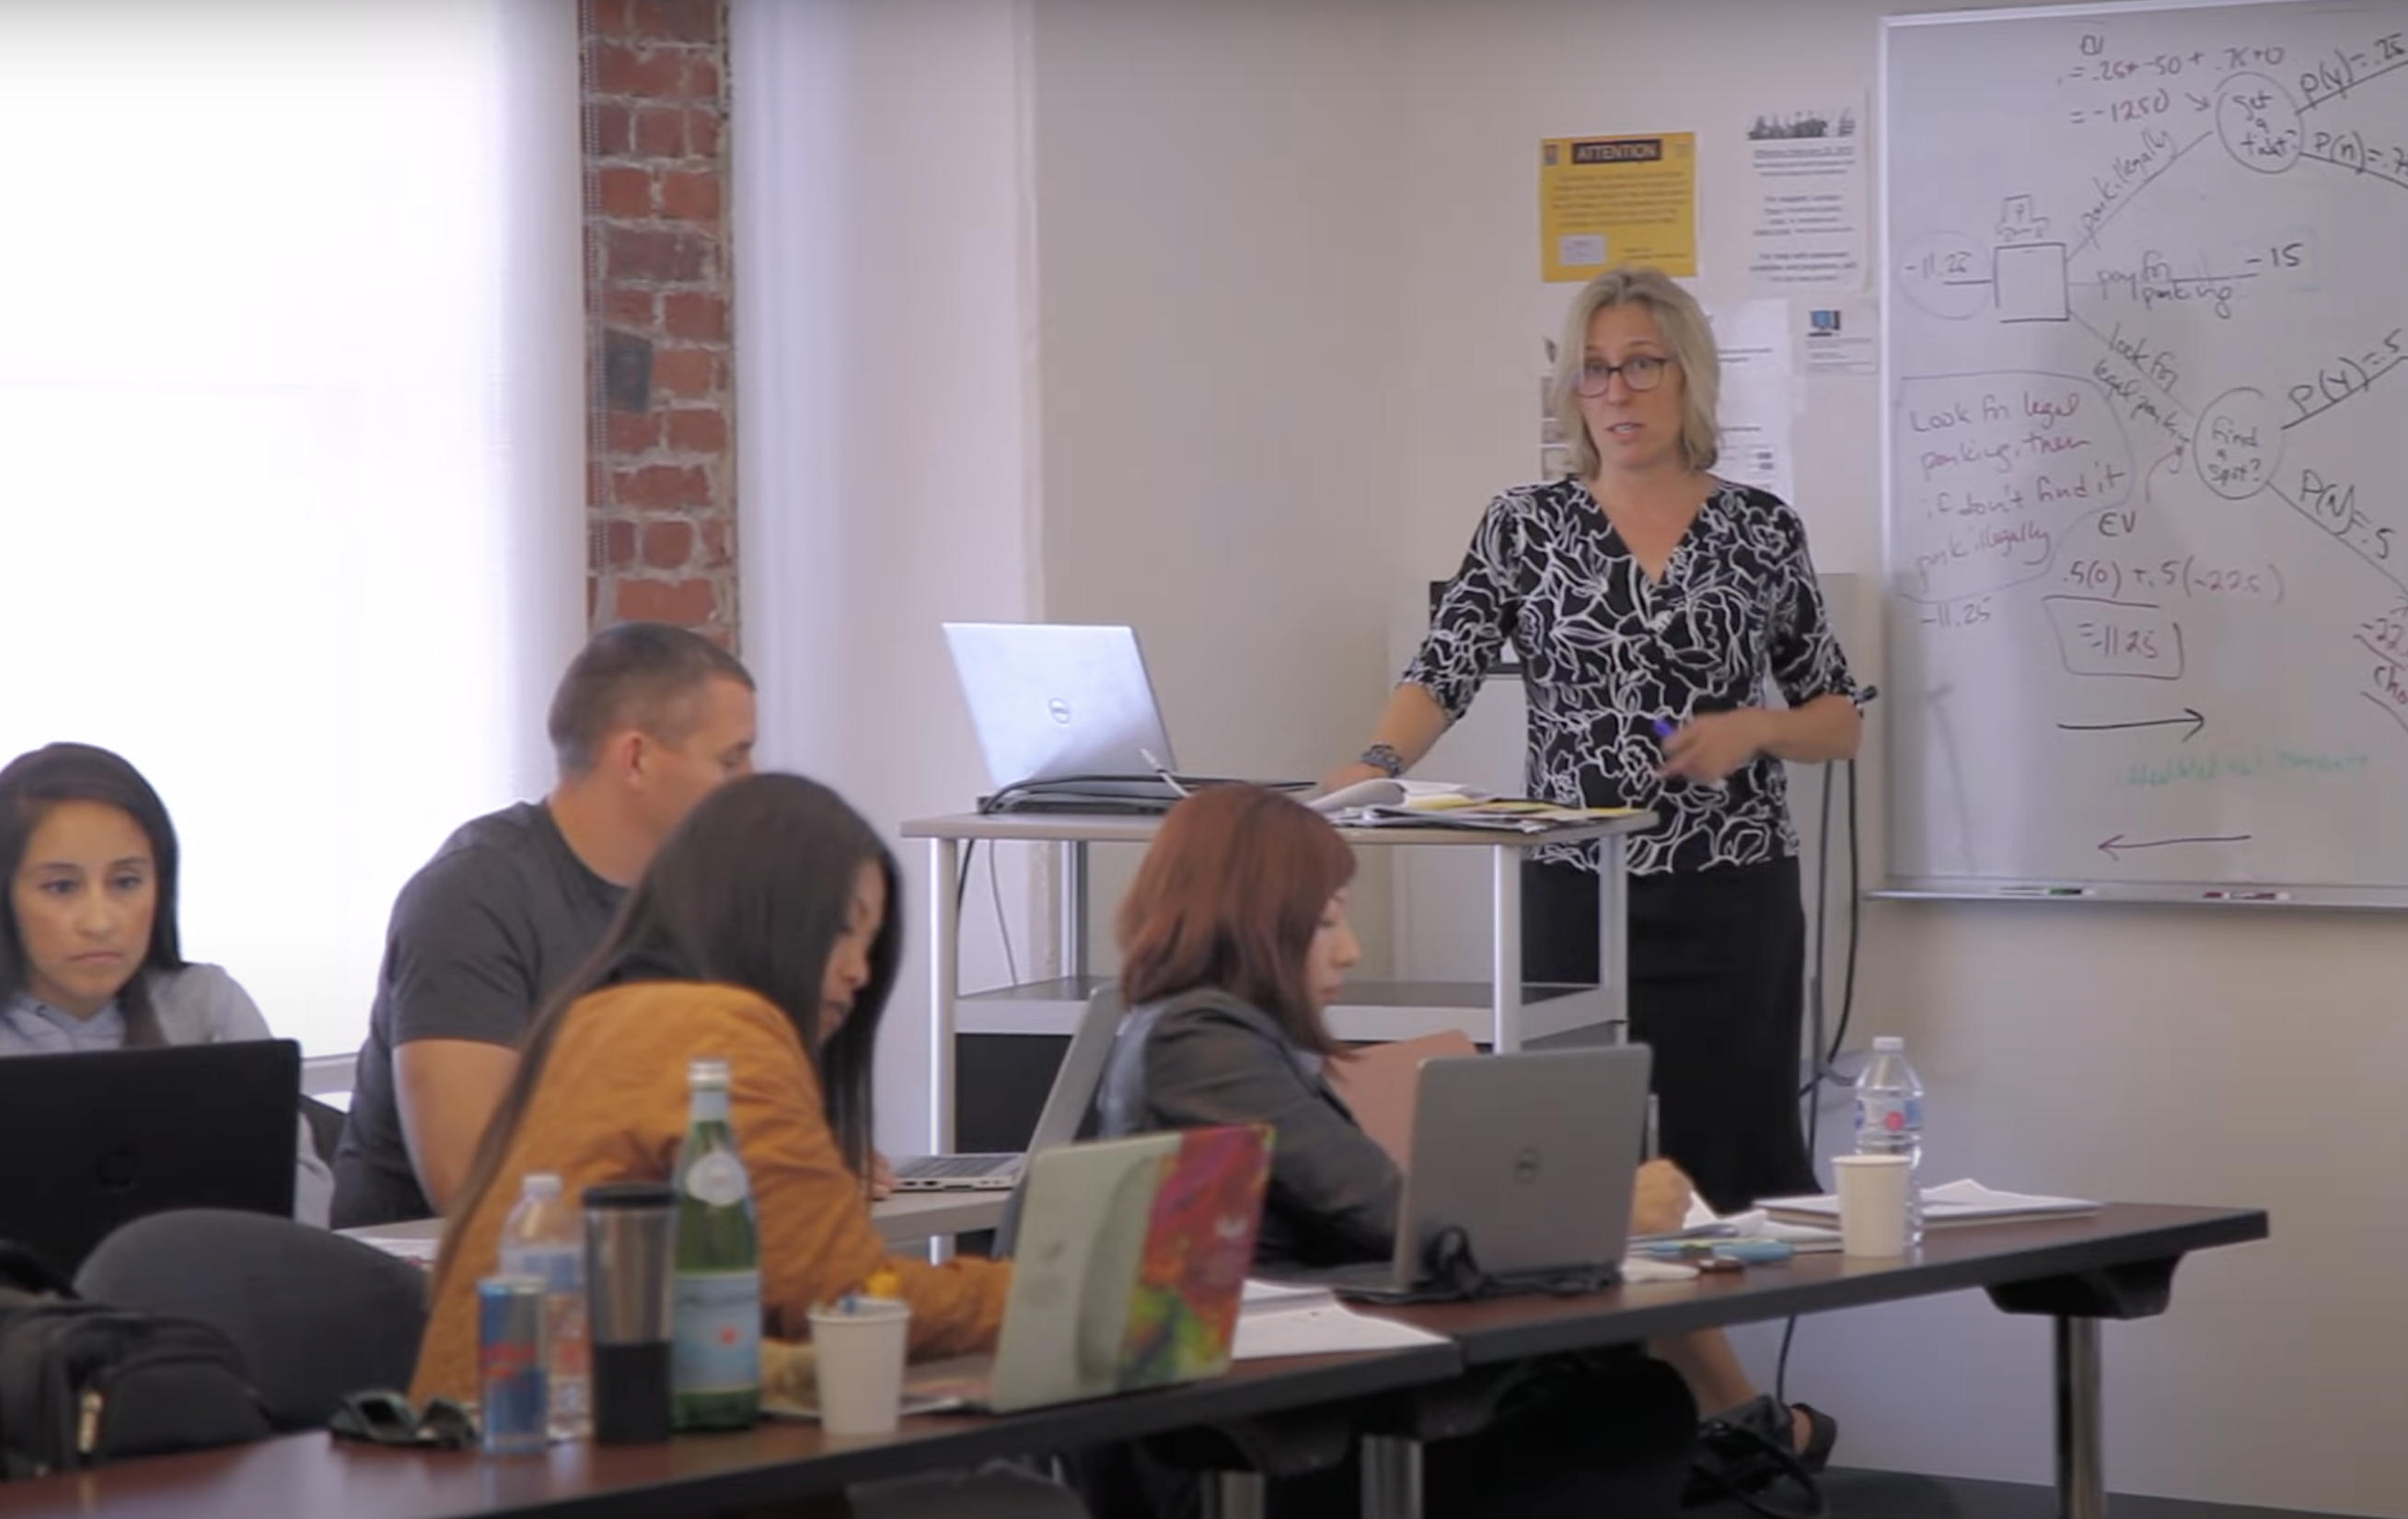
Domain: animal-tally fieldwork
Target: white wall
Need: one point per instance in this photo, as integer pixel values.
(884, 372)
(2148, 1053)
(1216, 205)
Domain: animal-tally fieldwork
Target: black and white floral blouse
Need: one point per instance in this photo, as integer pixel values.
(1608, 655)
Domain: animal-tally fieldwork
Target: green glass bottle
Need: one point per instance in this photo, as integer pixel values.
(715, 1346)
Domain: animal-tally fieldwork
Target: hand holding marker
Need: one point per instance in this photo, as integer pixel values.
(1664, 731)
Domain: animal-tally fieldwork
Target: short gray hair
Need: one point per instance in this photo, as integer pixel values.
(1687, 333)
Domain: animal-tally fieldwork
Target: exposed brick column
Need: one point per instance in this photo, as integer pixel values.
(660, 436)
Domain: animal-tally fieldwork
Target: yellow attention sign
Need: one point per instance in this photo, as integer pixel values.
(1604, 201)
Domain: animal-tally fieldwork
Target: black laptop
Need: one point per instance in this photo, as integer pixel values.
(96, 1139)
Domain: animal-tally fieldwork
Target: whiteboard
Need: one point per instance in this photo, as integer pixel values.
(2145, 371)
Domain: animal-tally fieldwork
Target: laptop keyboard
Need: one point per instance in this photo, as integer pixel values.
(938, 1166)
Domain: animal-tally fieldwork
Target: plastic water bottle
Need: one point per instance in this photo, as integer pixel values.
(544, 1238)
(1890, 1120)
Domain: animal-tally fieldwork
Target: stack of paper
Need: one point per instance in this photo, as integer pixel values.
(1703, 1223)
(1279, 1319)
(1952, 1203)
(1503, 816)
(1381, 793)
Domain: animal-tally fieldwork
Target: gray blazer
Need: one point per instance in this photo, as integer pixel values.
(1205, 1057)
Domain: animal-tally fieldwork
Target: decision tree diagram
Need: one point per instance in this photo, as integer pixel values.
(2174, 352)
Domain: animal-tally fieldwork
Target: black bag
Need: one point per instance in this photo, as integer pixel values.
(1744, 1456)
(82, 1384)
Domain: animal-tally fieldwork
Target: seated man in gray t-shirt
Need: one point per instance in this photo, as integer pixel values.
(647, 719)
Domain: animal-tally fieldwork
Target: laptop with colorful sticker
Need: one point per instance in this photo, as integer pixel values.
(1128, 1272)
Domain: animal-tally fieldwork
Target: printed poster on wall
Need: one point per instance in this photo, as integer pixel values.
(1807, 220)
(1604, 201)
(1840, 335)
(1758, 399)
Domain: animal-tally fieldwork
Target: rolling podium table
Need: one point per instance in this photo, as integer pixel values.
(1502, 1012)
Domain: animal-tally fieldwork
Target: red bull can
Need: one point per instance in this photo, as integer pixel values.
(510, 1364)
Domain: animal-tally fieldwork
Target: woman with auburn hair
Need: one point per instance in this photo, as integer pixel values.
(1235, 940)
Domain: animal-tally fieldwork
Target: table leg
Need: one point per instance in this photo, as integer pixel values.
(1071, 860)
(1505, 950)
(1391, 1476)
(1236, 1494)
(2081, 1467)
(944, 984)
(1613, 933)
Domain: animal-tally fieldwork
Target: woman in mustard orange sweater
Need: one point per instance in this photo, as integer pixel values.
(764, 934)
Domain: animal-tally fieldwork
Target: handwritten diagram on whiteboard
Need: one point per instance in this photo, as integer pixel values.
(2146, 274)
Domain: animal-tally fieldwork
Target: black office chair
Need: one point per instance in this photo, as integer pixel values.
(316, 1315)
(326, 1123)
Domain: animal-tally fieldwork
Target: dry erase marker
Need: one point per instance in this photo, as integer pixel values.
(2244, 897)
(2048, 891)
(1664, 730)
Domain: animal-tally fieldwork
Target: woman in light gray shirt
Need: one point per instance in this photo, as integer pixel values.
(89, 950)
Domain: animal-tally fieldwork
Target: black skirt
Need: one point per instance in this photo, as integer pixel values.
(1717, 992)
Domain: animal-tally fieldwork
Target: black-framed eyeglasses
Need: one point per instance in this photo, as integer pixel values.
(1640, 372)
(387, 1418)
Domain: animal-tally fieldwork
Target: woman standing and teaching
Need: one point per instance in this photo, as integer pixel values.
(1648, 600)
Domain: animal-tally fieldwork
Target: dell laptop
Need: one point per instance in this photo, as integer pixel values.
(97, 1138)
(1522, 1167)
(1067, 719)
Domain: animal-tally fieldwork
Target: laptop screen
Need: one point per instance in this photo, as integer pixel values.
(1050, 701)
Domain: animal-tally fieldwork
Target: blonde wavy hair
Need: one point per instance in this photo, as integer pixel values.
(1687, 334)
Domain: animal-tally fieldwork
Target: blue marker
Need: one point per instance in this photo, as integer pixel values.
(1664, 730)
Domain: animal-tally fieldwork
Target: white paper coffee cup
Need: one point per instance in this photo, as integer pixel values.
(1872, 1203)
(862, 1346)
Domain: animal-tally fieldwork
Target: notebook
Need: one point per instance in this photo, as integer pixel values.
(1289, 1319)
(1944, 1206)
(1130, 1265)
(1066, 1109)
(1380, 1083)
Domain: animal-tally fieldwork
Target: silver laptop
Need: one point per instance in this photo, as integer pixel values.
(1128, 1272)
(1066, 1109)
(1058, 703)
(1066, 718)
(1529, 1159)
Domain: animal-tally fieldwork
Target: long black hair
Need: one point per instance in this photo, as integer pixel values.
(39, 780)
(752, 890)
